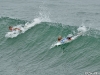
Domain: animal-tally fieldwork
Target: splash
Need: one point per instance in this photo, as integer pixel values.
(82, 29)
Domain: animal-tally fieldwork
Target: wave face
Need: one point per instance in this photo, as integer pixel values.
(30, 54)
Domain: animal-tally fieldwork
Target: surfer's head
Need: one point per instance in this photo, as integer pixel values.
(59, 38)
(10, 27)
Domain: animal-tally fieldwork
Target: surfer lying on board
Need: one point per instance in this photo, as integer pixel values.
(60, 38)
(11, 28)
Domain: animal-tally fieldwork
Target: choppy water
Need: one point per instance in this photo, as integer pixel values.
(29, 53)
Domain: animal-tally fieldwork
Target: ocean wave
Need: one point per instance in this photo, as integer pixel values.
(32, 49)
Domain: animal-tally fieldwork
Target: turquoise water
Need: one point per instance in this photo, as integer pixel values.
(29, 53)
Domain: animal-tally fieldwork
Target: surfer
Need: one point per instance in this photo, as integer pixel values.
(60, 38)
(11, 28)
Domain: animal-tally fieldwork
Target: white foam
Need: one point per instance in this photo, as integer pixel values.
(82, 29)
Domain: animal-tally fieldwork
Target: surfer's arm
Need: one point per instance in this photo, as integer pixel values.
(16, 29)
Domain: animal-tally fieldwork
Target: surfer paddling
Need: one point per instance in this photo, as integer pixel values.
(11, 28)
(60, 38)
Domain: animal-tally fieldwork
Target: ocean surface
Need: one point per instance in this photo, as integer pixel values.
(29, 53)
